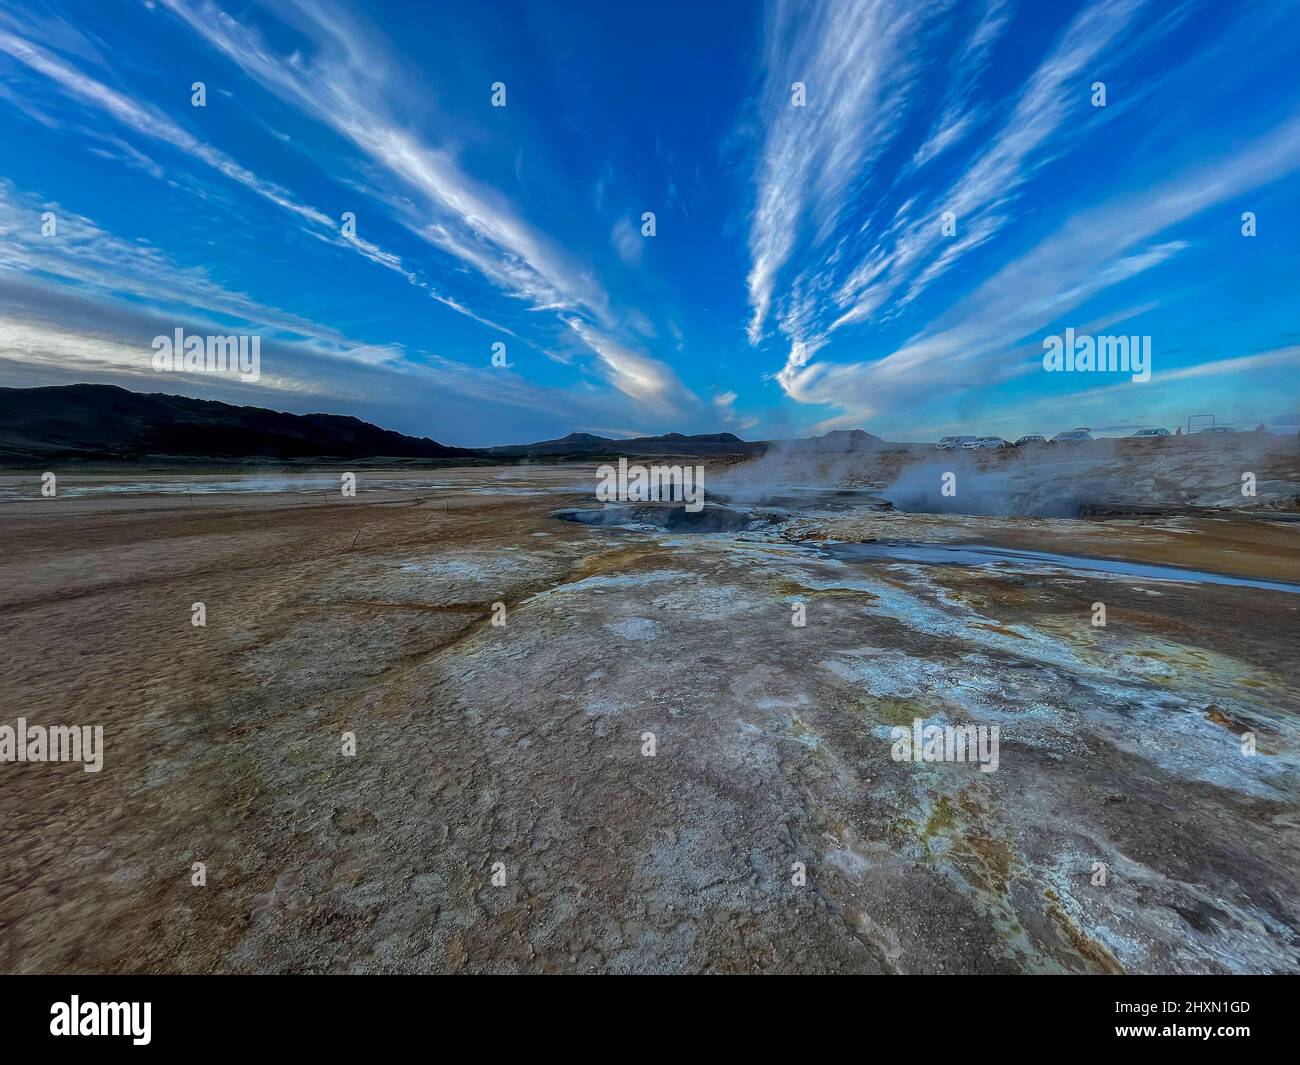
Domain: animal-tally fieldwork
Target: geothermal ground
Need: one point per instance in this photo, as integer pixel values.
(501, 813)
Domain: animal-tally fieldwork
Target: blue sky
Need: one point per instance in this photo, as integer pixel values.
(799, 278)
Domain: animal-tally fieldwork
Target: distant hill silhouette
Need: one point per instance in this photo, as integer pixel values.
(109, 424)
(837, 441)
(105, 422)
(579, 445)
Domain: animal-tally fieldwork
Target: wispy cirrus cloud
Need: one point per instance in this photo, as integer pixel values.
(1232, 367)
(1094, 251)
(150, 122)
(342, 89)
(854, 60)
(344, 86)
(643, 379)
(62, 319)
(304, 375)
(978, 199)
(476, 223)
(959, 115)
(86, 256)
(57, 317)
(883, 264)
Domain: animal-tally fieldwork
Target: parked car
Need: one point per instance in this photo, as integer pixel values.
(981, 443)
(953, 443)
(1071, 436)
(1152, 432)
(1218, 429)
(1032, 438)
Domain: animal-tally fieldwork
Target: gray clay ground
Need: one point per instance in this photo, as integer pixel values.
(523, 744)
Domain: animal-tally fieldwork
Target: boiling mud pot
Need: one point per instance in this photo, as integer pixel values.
(983, 555)
(797, 497)
(712, 519)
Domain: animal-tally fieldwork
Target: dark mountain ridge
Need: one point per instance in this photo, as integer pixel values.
(586, 444)
(106, 423)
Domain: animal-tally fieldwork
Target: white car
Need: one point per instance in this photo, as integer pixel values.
(952, 443)
(981, 443)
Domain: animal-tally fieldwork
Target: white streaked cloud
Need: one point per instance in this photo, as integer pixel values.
(1164, 400)
(854, 59)
(979, 198)
(89, 258)
(150, 122)
(968, 346)
(1238, 365)
(343, 86)
(474, 405)
(876, 271)
(627, 241)
(61, 314)
(643, 379)
(958, 117)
